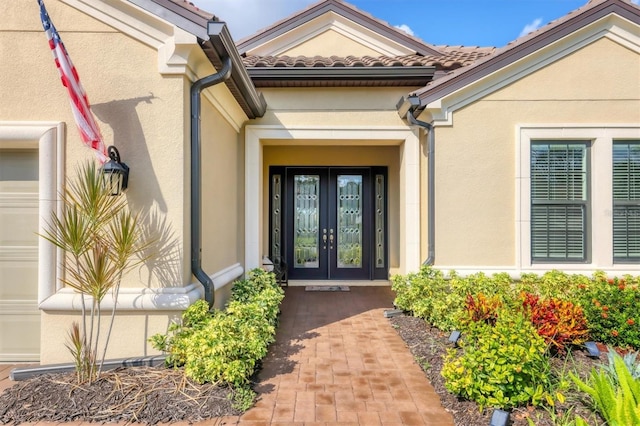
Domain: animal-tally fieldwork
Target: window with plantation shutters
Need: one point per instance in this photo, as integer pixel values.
(559, 201)
(626, 201)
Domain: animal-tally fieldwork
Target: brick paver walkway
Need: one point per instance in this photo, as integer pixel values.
(337, 360)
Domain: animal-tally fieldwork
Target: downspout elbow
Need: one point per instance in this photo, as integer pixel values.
(196, 177)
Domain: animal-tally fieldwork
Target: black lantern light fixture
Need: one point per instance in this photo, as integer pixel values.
(115, 173)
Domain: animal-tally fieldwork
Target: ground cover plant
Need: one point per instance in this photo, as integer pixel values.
(520, 339)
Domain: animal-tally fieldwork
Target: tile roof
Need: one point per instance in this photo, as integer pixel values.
(453, 57)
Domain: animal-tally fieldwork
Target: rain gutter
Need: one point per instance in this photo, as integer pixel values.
(214, 30)
(409, 108)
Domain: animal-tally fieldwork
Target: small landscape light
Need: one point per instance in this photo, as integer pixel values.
(593, 350)
(455, 335)
(393, 313)
(115, 173)
(499, 418)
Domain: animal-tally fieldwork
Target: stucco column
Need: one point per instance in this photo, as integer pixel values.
(410, 203)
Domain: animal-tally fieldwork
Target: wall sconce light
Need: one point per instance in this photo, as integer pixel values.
(115, 173)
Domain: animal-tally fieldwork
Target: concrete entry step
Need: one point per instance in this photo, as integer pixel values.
(333, 283)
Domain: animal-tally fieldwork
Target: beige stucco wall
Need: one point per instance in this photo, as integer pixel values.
(330, 43)
(222, 192)
(333, 106)
(146, 115)
(476, 156)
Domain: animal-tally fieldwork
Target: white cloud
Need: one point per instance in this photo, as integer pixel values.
(531, 27)
(245, 17)
(404, 27)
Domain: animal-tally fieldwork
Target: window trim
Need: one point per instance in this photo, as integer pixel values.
(600, 228)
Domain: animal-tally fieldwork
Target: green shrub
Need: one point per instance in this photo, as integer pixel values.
(610, 306)
(554, 283)
(441, 300)
(499, 366)
(225, 346)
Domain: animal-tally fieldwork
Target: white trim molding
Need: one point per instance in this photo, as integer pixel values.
(258, 135)
(601, 137)
(48, 139)
(146, 299)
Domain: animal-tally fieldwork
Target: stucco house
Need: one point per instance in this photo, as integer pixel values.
(330, 141)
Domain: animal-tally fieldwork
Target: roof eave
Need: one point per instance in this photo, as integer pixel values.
(321, 8)
(215, 47)
(342, 76)
(219, 45)
(500, 60)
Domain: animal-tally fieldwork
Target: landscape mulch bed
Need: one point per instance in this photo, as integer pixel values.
(162, 395)
(139, 394)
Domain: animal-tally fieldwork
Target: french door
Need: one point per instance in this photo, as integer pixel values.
(328, 225)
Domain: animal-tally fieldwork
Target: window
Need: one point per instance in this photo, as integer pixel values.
(626, 201)
(559, 201)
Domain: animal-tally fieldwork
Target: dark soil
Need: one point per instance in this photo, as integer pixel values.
(161, 395)
(143, 395)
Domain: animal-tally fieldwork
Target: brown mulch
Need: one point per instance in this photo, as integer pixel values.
(429, 345)
(140, 394)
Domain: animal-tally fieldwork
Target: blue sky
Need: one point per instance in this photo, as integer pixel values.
(450, 22)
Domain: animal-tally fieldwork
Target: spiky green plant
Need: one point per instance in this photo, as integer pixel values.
(102, 240)
(618, 402)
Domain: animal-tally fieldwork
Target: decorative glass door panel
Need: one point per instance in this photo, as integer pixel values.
(349, 220)
(306, 248)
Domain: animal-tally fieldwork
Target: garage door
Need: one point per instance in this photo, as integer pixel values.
(19, 314)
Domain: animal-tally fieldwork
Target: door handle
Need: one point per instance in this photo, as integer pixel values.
(324, 238)
(331, 239)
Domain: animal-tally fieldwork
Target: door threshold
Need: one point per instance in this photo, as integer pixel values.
(334, 283)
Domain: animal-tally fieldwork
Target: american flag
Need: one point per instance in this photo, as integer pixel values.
(89, 130)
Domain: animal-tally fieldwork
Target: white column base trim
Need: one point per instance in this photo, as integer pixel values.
(145, 299)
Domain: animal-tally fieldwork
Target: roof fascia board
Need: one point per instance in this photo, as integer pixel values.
(612, 26)
(178, 16)
(341, 9)
(330, 21)
(577, 25)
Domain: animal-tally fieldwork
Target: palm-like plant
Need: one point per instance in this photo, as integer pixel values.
(102, 240)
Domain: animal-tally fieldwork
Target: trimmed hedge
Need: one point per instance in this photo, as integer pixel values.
(225, 346)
